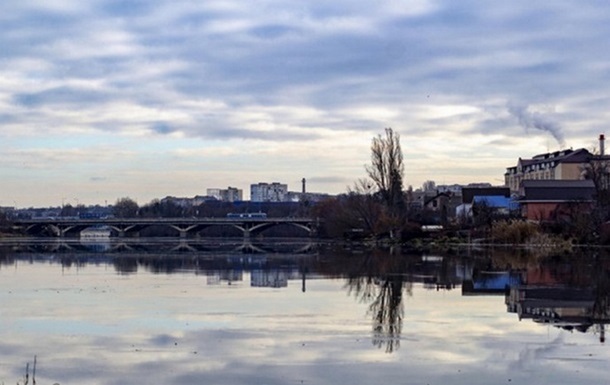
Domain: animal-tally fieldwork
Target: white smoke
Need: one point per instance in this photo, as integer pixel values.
(535, 120)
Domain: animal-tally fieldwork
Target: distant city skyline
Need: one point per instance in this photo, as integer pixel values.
(103, 99)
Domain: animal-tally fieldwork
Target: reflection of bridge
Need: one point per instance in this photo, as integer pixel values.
(165, 247)
(61, 227)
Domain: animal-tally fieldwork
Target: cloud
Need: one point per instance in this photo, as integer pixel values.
(287, 73)
(162, 128)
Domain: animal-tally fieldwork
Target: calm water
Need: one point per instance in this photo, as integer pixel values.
(211, 313)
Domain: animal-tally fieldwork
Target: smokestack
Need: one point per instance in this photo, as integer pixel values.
(602, 139)
(303, 181)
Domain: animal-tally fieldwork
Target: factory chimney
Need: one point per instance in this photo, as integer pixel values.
(602, 139)
(303, 182)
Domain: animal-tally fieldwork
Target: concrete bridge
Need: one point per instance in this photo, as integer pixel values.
(122, 227)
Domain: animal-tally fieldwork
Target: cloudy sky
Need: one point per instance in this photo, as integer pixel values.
(103, 99)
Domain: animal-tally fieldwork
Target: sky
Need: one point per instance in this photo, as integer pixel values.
(103, 99)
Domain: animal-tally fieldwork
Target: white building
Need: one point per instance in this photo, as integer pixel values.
(268, 192)
(230, 194)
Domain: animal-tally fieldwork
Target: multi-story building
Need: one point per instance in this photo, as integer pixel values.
(230, 194)
(213, 192)
(268, 192)
(561, 165)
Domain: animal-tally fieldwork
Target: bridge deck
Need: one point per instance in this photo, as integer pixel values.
(150, 221)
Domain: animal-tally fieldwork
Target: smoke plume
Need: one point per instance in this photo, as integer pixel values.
(537, 121)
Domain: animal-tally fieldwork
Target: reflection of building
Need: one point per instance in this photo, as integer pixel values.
(229, 275)
(490, 282)
(269, 278)
(544, 298)
(95, 232)
(96, 238)
(556, 304)
(561, 306)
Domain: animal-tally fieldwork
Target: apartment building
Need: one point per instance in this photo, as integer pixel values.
(230, 194)
(268, 192)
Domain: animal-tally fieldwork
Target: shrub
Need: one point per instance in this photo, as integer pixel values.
(514, 231)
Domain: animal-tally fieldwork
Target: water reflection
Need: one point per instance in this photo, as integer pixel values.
(386, 307)
(567, 292)
(379, 280)
(207, 312)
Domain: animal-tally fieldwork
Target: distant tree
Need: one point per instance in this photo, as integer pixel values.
(598, 170)
(484, 216)
(151, 209)
(71, 211)
(4, 221)
(429, 185)
(387, 173)
(365, 207)
(164, 209)
(375, 206)
(125, 208)
(387, 169)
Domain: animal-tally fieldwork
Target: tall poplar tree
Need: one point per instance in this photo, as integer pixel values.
(387, 170)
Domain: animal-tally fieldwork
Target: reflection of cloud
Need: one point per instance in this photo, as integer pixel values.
(87, 324)
(530, 354)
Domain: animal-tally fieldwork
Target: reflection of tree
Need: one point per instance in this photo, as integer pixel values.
(601, 305)
(388, 310)
(383, 289)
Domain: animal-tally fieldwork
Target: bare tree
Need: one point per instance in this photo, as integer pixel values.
(387, 169)
(125, 208)
(598, 170)
(429, 185)
(362, 203)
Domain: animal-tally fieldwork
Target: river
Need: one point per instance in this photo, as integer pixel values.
(178, 312)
